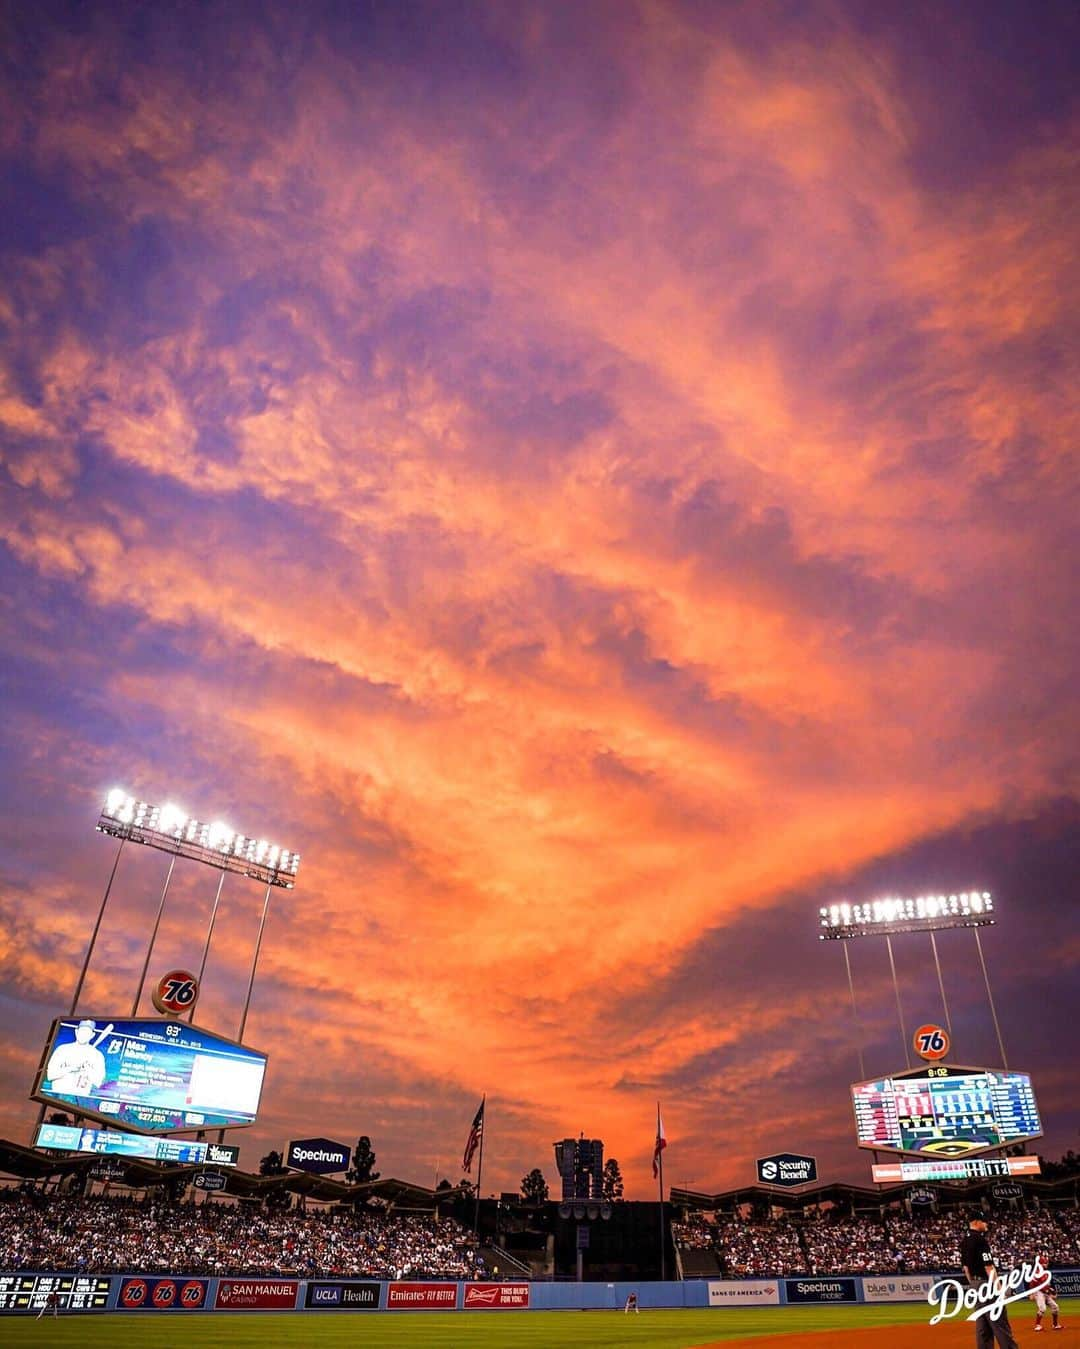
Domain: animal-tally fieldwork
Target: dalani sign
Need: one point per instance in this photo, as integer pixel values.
(787, 1169)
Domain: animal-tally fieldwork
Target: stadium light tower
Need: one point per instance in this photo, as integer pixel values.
(925, 913)
(170, 830)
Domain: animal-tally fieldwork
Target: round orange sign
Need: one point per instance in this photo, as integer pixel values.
(175, 992)
(931, 1042)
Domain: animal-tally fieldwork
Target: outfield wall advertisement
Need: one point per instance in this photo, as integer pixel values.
(26, 1293)
(422, 1297)
(162, 1294)
(340, 1296)
(825, 1289)
(495, 1296)
(898, 1287)
(744, 1292)
(245, 1295)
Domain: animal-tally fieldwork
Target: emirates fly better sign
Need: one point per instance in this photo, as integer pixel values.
(787, 1169)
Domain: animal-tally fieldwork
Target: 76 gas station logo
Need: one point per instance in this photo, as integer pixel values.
(931, 1042)
(175, 992)
(162, 1295)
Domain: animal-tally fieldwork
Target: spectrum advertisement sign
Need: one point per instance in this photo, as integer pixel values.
(153, 1076)
(320, 1156)
(162, 1295)
(821, 1290)
(495, 1296)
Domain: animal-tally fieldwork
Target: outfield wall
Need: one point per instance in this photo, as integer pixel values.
(26, 1293)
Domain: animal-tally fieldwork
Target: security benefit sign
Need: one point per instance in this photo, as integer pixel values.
(320, 1156)
(744, 1292)
(66, 1292)
(820, 1290)
(353, 1297)
(138, 1294)
(787, 1169)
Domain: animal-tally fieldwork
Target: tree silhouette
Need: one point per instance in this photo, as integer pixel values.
(534, 1188)
(612, 1187)
(363, 1162)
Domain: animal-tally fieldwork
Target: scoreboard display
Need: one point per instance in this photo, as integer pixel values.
(110, 1143)
(945, 1111)
(74, 1292)
(151, 1076)
(958, 1168)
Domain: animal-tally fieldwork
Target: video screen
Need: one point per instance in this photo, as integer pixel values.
(945, 1111)
(108, 1143)
(153, 1076)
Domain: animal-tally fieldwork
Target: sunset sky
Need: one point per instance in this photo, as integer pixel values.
(597, 479)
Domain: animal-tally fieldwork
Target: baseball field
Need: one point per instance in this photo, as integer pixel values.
(792, 1328)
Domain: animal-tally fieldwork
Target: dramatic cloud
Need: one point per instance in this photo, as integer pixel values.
(598, 480)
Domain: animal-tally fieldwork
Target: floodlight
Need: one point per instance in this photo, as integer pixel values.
(892, 914)
(171, 830)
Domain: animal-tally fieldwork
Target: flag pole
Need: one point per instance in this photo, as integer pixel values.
(660, 1160)
(480, 1163)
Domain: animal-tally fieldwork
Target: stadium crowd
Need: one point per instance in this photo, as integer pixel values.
(105, 1235)
(108, 1236)
(745, 1249)
(897, 1243)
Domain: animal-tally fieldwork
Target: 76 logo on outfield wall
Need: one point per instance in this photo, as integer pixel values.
(175, 992)
(931, 1042)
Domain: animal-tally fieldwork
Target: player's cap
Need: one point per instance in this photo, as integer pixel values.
(83, 1023)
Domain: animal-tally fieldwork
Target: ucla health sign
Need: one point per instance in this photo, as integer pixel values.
(336, 1296)
(321, 1156)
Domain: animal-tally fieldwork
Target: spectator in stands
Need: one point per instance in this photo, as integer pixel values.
(103, 1236)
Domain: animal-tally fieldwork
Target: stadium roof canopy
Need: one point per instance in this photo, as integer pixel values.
(862, 1195)
(35, 1164)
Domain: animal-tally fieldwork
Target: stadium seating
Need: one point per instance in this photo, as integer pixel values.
(105, 1235)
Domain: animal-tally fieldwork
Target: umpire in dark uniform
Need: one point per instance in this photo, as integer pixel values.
(979, 1266)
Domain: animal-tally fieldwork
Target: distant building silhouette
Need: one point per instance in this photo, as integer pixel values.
(581, 1166)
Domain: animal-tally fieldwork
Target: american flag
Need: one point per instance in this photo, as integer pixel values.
(661, 1143)
(473, 1140)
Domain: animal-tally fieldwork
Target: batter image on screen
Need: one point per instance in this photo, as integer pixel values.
(78, 1066)
(945, 1111)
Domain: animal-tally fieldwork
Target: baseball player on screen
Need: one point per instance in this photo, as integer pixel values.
(75, 1069)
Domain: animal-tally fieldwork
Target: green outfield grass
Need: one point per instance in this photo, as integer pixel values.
(448, 1330)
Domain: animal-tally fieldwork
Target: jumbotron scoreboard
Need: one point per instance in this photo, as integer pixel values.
(945, 1111)
(152, 1076)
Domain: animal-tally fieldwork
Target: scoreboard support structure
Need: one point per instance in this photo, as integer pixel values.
(990, 999)
(931, 914)
(889, 917)
(169, 830)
